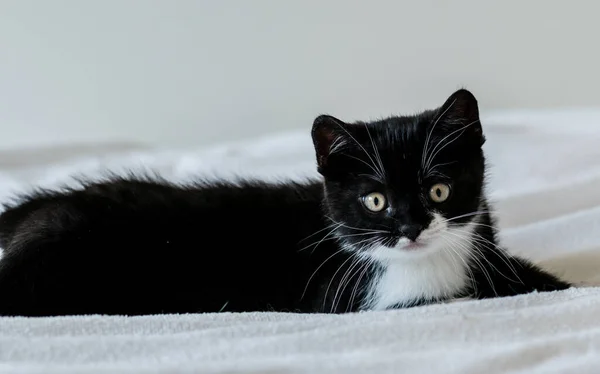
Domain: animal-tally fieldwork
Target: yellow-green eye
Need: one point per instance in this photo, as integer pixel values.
(439, 192)
(374, 201)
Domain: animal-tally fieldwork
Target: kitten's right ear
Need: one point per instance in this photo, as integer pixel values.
(460, 112)
(328, 135)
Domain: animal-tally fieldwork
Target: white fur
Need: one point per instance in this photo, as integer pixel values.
(437, 271)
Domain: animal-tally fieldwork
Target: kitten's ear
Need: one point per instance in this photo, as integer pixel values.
(328, 134)
(461, 112)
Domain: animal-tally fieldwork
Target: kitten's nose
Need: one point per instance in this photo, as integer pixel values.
(412, 231)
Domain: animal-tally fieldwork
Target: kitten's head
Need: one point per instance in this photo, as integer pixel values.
(405, 184)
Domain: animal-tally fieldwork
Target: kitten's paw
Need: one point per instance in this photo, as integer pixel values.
(526, 278)
(549, 286)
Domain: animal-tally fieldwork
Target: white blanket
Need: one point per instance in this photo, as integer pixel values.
(544, 180)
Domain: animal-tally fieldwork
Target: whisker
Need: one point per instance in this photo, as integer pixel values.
(377, 173)
(367, 264)
(467, 267)
(374, 232)
(436, 173)
(369, 230)
(463, 129)
(360, 244)
(494, 228)
(357, 228)
(432, 172)
(357, 143)
(479, 212)
(367, 261)
(376, 151)
(223, 307)
(482, 256)
(345, 282)
(433, 151)
(318, 242)
(315, 233)
(373, 177)
(332, 278)
(428, 138)
(342, 285)
(477, 260)
(366, 232)
(319, 267)
(497, 250)
(443, 164)
(337, 144)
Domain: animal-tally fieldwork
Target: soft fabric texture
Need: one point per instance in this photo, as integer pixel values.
(543, 179)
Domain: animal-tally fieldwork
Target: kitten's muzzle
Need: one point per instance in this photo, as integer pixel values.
(411, 231)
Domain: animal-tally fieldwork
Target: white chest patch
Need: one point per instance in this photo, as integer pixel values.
(438, 271)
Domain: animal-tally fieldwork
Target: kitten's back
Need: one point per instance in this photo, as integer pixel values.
(150, 246)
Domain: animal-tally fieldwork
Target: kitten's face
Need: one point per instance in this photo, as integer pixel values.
(408, 184)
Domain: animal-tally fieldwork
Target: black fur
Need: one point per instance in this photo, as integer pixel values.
(144, 246)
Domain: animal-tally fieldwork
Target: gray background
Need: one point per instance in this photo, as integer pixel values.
(187, 73)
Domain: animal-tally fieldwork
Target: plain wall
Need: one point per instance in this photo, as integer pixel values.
(184, 73)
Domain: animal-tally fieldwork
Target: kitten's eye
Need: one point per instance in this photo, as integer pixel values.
(439, 192)
(374, 201)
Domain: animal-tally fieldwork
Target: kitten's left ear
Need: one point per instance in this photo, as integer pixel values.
(461, 112)
(328, 134)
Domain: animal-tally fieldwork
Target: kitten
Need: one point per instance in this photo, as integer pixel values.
(399, 219)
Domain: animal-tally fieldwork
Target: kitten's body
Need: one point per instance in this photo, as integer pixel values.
(147, 247)
(129, 246)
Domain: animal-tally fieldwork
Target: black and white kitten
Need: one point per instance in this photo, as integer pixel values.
(400, 219)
